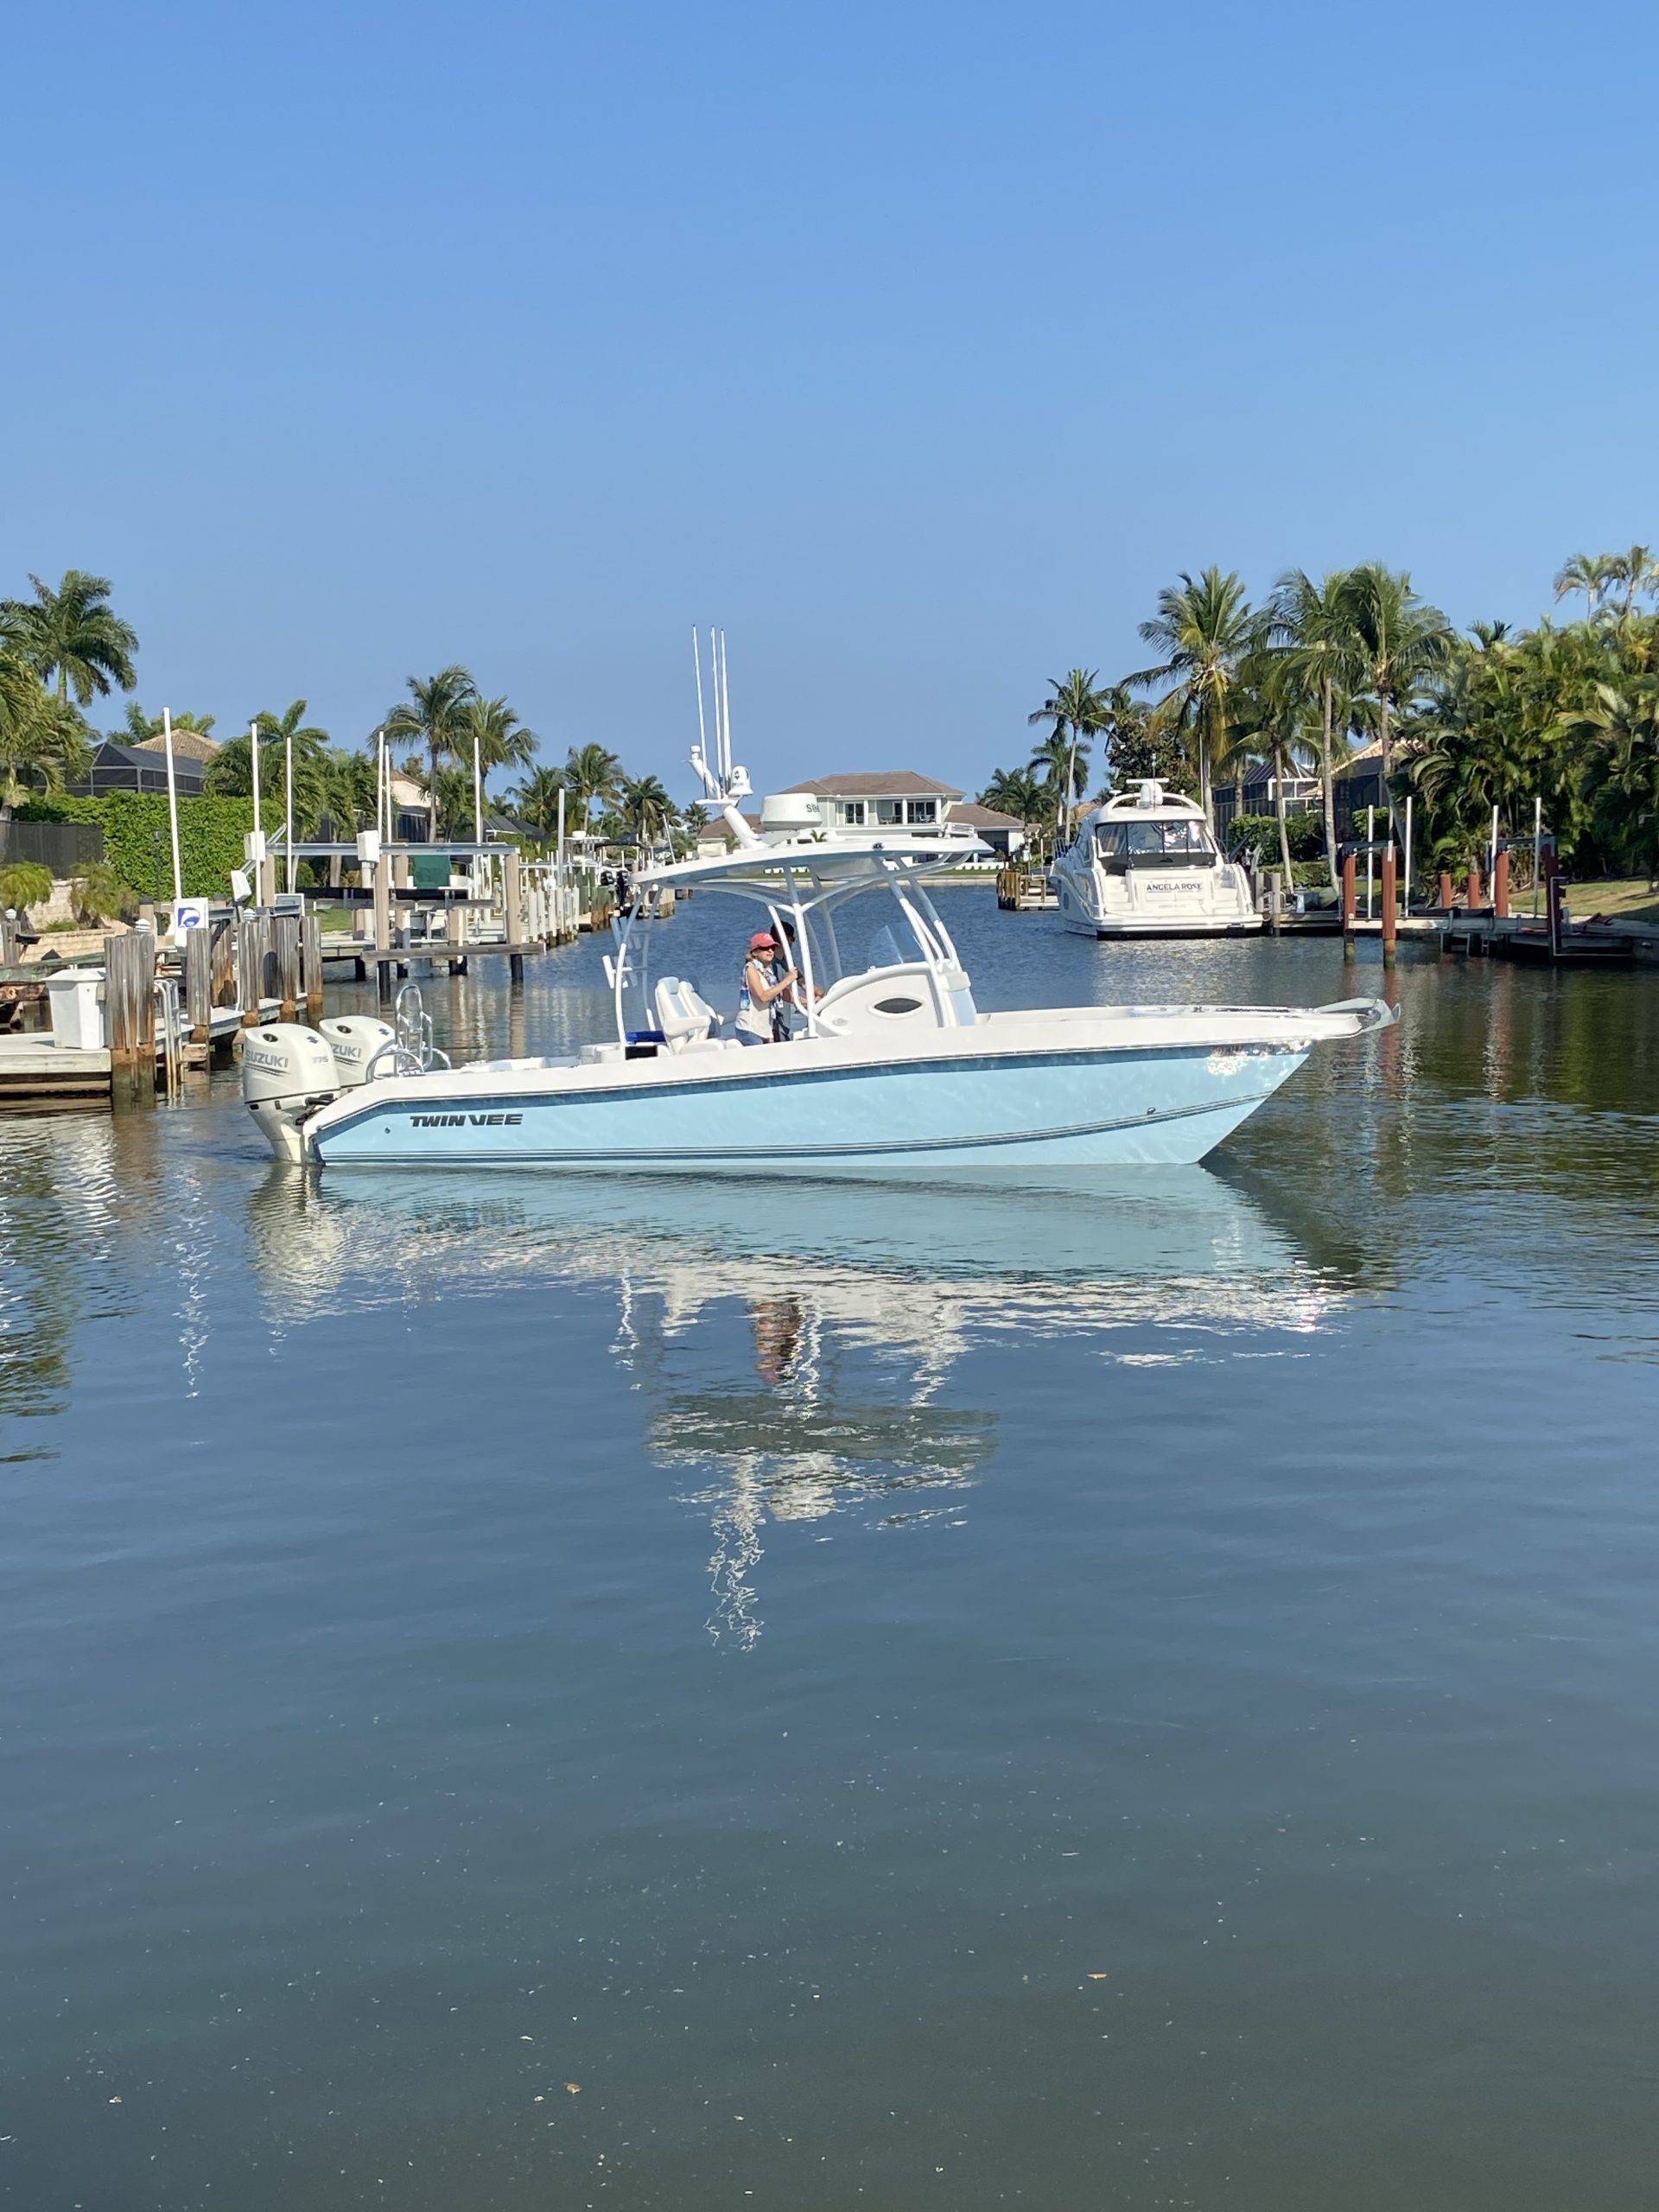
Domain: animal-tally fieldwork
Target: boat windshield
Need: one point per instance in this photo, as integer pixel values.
(1151, 840)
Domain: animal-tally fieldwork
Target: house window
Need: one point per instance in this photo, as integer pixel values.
(851, 811)
(922, 810)
(889, 812)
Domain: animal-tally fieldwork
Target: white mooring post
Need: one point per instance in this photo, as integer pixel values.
(172, 811)
(1370, 834)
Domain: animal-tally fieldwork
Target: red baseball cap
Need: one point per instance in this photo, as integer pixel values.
(762, 941)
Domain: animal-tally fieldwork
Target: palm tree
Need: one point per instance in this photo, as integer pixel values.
(494, 737)
(645, 806)
(590, 773)
(137, 728)
(1636, 570)
(434, 715)
(1075, 705)
(1286, 711)
(1059, 757)
(43, 742)
(1402, 642)
(1585, 572)
(1625, 723)
(1312, 626)
(535, 801)
(73, 634)
(24, 884)
(1203, 629)
(1015, 791)
(229, 773)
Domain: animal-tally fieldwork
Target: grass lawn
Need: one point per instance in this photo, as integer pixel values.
(1633, 899)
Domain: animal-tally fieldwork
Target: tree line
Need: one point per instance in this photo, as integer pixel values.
(64, 648)
(1565, 712)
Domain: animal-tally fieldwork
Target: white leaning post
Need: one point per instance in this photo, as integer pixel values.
(172, 810)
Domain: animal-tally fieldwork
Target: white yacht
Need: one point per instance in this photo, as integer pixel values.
(1146, 864)
(891, 1067)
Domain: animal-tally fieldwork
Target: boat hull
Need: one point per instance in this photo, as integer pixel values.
(1086, 1106)
(1133, 925)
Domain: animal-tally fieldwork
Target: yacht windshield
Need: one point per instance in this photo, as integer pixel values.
(1139, 843)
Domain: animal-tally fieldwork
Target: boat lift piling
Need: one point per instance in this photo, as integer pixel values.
(1387, 852)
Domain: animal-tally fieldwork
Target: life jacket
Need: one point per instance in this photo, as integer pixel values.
(753, 1021)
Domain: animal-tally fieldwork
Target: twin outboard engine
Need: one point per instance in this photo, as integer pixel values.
(363, 1047)
(288, 1070)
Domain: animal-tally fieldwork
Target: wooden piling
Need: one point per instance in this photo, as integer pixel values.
(1390, 890)
(1349, 902)
(311, 962)
(1475, 899)
(198, 986)
(1446, 890)
(130, 1003)
(382, 912)
(222, 986)
(512, 901)
(1501, 887)
(252, 938)
(285, 944)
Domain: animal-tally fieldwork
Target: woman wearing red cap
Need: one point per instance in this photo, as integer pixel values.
(757, 986)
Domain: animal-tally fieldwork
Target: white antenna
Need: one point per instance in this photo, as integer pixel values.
(725, 714)
(697, 665)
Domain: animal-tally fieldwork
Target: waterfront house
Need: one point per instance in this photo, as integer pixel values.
(143, 767)
(889, 799)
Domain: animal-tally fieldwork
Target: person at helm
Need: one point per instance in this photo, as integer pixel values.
(761, 982)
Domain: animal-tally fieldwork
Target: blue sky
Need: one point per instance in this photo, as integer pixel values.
(916, 345)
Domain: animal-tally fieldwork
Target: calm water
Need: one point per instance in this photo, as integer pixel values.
(516, 1693)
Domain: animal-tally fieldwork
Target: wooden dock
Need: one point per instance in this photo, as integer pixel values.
(35, 1072)
(454, 953)
(1025, 891)
(1574, 945)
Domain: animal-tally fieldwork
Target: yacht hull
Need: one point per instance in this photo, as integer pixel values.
(1083, 924)
(792, 1109)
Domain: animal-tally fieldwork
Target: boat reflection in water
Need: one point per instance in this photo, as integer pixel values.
(861, 1304)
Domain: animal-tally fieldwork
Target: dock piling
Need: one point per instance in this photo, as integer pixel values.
(130, 997)
(1390, 920)
(513, 905)
(199, 985)
(311, 962)
(285, 944)
(1350, 896)
(1501, 887)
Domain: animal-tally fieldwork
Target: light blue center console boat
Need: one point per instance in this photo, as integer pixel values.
(889, 1065)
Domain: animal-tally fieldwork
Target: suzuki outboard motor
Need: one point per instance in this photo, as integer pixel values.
(363, 1048)
(286, 1071)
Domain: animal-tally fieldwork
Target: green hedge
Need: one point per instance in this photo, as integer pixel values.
(137, 846)
(1258, 834)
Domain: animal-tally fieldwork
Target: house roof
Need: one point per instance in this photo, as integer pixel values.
(983, 817)
(187, 745)
(878, 783)
(111, 753)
